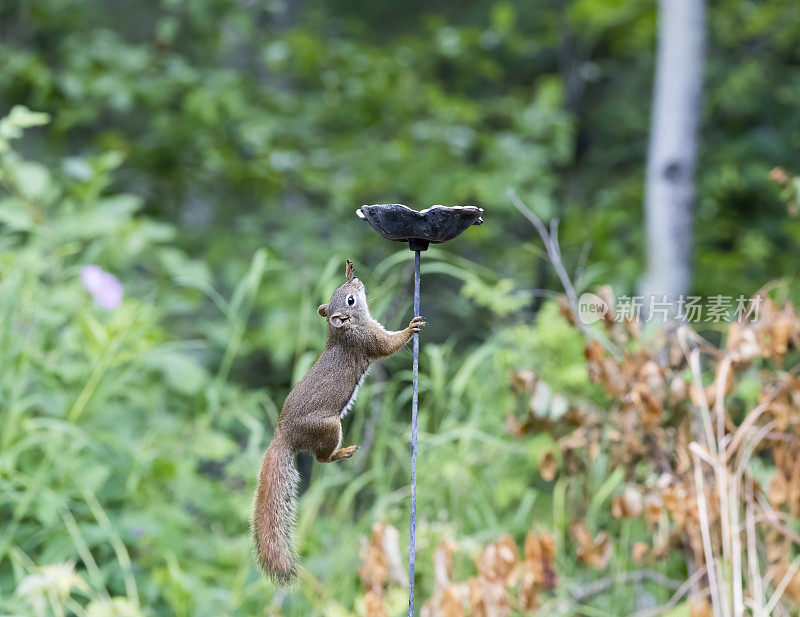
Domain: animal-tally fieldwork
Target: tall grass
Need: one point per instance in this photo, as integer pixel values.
(130, 438)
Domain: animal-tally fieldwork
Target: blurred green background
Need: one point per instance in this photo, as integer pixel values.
(211, 154)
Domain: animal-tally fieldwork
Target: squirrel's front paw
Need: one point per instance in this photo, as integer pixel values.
(416, 324)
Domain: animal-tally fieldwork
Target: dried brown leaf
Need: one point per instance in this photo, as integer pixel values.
(488, 598)
(595, 552)
(523, 380)
(639, 551)
(499, 561)
(373, 605)
(381, 562)
(699, 606)
(548, 465)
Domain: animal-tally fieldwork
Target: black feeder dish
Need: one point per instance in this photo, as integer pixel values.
(435, 225)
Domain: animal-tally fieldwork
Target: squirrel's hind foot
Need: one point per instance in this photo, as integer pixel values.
(343, 453)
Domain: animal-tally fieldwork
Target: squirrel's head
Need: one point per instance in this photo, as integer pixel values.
(348, 304)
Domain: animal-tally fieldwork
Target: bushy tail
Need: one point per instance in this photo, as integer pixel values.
(274, 512)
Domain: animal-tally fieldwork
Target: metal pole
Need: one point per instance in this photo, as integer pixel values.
(414, 393)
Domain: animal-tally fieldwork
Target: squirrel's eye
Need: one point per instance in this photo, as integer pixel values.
(351, 300)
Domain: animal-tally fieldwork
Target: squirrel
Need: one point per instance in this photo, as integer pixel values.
(311, 418)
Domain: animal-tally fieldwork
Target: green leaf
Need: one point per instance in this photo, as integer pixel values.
(15, 215)
(181, 372)
(19, 118)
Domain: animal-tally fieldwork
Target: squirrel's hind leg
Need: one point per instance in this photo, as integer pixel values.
(343, 453)
(327, 448)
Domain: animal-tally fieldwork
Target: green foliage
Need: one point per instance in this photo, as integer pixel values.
(116, 439)
(272, 121)
(211, 154)
(127, 450)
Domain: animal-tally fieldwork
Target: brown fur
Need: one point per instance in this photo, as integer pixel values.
(310, 420)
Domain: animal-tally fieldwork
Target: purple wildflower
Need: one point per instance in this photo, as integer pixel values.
(105, 288)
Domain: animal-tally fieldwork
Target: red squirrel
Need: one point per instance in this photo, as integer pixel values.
(311, 418)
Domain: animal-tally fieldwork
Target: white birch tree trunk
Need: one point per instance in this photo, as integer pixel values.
(673, 147)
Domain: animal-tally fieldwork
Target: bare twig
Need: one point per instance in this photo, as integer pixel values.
(583, 258)
(705, 533)
(774, 516)
(584, 592)
(681, 591)
(553, 250)
(752, 550)
(578, 595)
(750, 420)
(693, 358)
(719, 397)
(550, 244)
(787, 578)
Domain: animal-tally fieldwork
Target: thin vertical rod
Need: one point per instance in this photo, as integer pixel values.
(414, 394)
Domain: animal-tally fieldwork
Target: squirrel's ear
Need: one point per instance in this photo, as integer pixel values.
(349, 270)
(323, 310)
(337, 321)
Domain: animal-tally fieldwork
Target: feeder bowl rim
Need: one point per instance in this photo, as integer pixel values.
(456, 220)
(361, 215)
